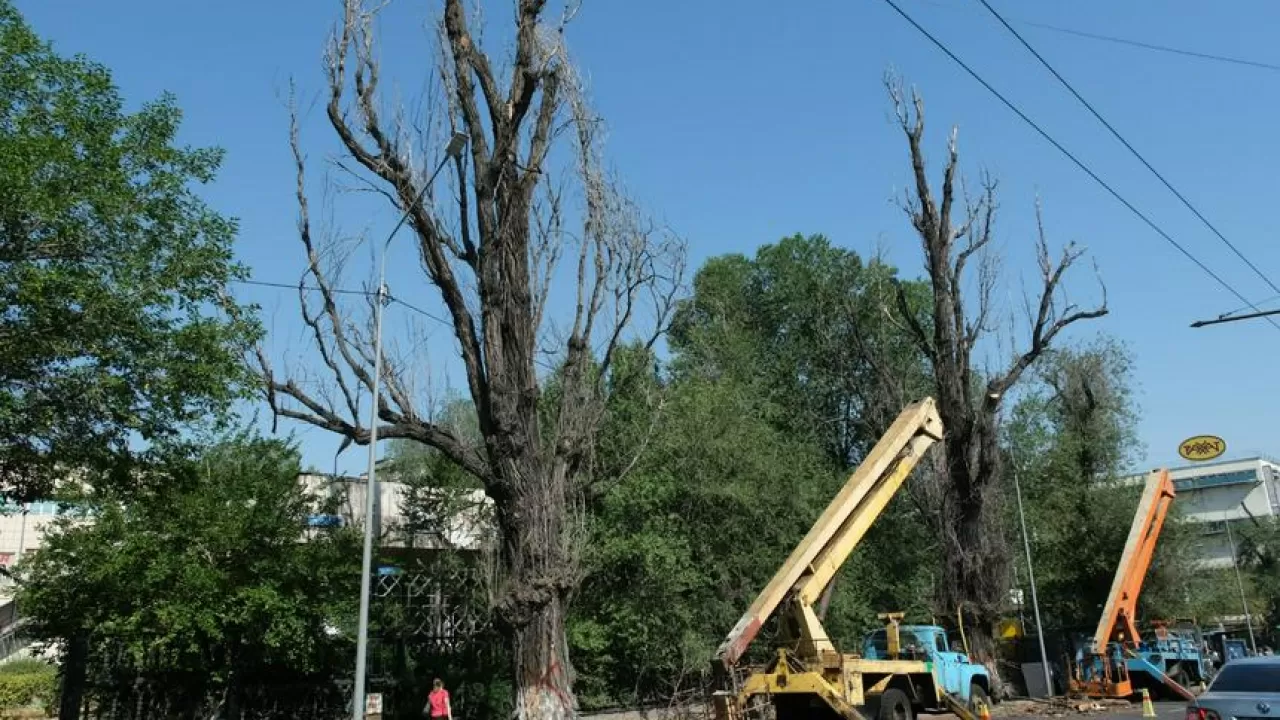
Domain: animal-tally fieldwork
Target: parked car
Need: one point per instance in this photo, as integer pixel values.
(1244, 689)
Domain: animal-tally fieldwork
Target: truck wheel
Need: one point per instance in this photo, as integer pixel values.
(894, 705)
(978, 694)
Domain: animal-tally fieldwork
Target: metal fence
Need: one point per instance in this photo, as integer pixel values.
(430, 620)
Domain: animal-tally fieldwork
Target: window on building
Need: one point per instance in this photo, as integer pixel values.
(1238, 477)
(1214, 527)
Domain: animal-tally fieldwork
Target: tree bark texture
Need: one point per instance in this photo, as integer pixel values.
(489, 254)
(963, 492)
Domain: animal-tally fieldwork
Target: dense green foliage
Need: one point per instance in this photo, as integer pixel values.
(112, 272)
(1070, 437)
(716, 464)
(201, 575)
(1072, 441)
(1259, 553)
(28, 683)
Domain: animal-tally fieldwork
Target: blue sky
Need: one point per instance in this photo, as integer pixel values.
(738, 123)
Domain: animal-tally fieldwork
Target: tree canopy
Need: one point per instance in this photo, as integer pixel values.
(203, 576)
(113, 272)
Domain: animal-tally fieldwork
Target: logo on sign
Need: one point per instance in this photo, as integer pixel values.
(1202, 447)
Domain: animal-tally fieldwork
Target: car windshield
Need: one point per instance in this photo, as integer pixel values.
(1247, 677)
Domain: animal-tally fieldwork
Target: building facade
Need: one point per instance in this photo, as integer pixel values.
(459, 519)
(408, 517)
(1221, 495)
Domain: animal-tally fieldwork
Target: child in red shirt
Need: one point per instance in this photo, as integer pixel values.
(438, 701)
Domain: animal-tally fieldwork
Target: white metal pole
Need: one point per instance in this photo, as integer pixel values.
(1031, 577)
(1244, 602)
(453, 150)
(371, 489)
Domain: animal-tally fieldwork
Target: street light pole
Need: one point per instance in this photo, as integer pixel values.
(1248, 621)
(452, 150)
(1031, 577)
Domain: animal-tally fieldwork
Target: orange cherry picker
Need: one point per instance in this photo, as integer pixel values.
(1116, 662)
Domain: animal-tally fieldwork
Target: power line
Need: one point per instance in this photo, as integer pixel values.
(1130, 147)
(1078, 163)
(287, 286)
(1263, 301)
(1131, 43)
(1153, 46)
(344, 291)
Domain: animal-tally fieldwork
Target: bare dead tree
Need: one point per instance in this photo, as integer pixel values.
(493, 273)
(961, 491)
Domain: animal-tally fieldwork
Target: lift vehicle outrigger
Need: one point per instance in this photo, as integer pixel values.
(808, 677)
(1116, 662)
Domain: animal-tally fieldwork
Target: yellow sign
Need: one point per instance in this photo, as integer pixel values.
(1009, 629)
(1202, 447)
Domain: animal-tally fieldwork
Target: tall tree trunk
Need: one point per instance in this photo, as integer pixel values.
(544, 678)
(492, 273)
(977, 557)
(538, 573)
(74, 670)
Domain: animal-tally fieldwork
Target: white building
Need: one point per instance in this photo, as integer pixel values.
(463, 518)
(1225, 491)
(22, 530)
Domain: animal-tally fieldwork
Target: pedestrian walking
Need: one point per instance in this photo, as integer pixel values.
(438, 706)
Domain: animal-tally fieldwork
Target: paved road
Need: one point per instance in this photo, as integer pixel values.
(1164, 711)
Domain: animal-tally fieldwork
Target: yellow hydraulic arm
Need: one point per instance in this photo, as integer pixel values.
(802, 579)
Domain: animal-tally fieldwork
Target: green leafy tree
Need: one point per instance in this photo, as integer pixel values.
(694, 526)
(722, 459)
(1072, 436)
(815, 329)
(817, 333)
(110, 271)
(201, 579)
(1259, 556)
(1073, 441)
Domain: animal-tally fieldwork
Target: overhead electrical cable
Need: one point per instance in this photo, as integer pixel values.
(1075, 160)
(1116, 133)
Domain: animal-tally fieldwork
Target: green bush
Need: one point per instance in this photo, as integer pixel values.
(27, 683)
(25, 666)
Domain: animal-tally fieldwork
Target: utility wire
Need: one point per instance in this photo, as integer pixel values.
(1130, 42)
(1275, 288)
(1237, 311)
(343, 291)
(1152, 46)
(1078, 163)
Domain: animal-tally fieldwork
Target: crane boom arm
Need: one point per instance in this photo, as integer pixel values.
(1122, 603)
(814, 562)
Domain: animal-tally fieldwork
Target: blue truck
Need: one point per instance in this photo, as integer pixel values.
(953, 672)
(1178, 653)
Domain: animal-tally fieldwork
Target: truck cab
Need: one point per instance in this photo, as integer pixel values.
(951, 669)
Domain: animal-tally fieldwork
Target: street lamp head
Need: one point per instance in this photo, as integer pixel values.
(456, 144)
